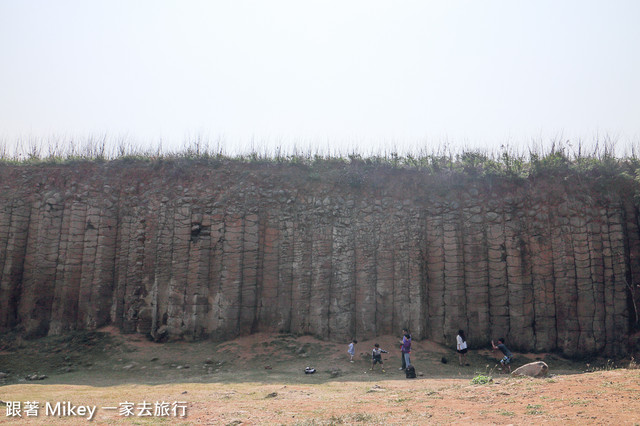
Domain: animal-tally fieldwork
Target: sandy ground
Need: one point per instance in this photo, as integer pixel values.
(258, 380)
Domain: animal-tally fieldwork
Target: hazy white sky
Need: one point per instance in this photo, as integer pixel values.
(365, 73)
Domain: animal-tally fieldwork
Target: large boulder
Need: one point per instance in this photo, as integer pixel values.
(533, 369)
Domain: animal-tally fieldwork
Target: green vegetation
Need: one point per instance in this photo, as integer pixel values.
(607, 365)
(481, 379)
(534, 409)
(560, 159)
(343, 419)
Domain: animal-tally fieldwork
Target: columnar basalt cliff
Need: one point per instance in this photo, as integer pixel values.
(221, 248)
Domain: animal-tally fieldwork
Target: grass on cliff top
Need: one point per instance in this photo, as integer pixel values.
(558, 158)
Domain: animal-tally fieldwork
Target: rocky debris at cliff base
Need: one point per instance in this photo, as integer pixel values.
(242, 359)
(36, 377)
(336, 372)
(161, 334)
(72, 352)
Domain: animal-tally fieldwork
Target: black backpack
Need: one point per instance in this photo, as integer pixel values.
(410, 372)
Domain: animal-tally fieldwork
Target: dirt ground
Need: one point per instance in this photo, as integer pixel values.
(260, 379)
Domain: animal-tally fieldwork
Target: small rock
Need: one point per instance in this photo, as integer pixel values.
(272, 395)
(208, 361)
(161, 334)
(376, 388)
(36, 377)
(3, 375)
(128, 367)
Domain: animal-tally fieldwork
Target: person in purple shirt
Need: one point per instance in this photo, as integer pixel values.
(405, 349)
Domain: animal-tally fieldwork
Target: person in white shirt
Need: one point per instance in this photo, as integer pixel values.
(352, 349)
(461, 348)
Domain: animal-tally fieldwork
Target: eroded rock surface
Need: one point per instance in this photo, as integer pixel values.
(532, 369)
(188, 249)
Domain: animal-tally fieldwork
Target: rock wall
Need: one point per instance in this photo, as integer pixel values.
(221, 248)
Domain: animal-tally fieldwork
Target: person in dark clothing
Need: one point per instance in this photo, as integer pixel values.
(376, 356)
(508, 356)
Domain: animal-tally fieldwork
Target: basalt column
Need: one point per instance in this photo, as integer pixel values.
(217, 249)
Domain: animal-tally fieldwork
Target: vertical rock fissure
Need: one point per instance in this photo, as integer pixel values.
(162, 224)
(7, 287)
(354, 287)
(375, 295)
(291, 267)
(241, 283)
(118, 294)
(594, 247)
(96, 276)
(628, 254)
(309, 279)
(506, 275)
(632, 284)
(331, 283)
(553, 285)
(52, 257)
(575, 285)
(487, 254)
(257, 310)
(6, 218)
(462, 244)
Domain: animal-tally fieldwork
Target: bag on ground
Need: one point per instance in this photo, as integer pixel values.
(410, 372)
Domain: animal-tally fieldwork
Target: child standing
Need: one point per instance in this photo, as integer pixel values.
(461, 348)
(508, 356)
(376, 356)
(352, 349)
(405, 348)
